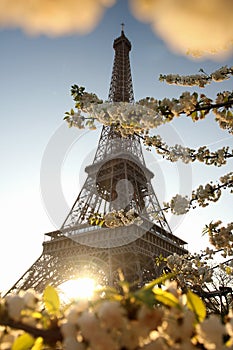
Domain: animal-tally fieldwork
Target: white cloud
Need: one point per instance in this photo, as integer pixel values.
(197, 27)
(53, 17)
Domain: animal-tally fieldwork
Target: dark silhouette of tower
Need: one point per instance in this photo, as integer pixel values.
(118, 179)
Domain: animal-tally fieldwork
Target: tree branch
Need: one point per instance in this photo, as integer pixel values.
(50, 336)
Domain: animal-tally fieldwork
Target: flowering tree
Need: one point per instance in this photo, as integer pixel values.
(150, 318)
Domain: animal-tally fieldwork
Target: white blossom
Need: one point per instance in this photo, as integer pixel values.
(210, 333)
(179, 205)
(15, 305)
(112, 314)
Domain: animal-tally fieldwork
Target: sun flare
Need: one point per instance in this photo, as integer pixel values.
(81, 288)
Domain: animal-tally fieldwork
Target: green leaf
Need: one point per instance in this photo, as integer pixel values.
(146, 294)
(23, 342)
(203, 113)
(110, 293)
(78, 105)
(92, 221)
(101, 223)
(160, 259)
(51, 300)
(36, 315)
(229, 343)
(196, 305)
(194, 116)
(166, 298)
(38, 345)
(159, 281)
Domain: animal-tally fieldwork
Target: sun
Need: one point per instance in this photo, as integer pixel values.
(80, 288)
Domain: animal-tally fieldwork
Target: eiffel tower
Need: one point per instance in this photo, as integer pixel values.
(116, 180)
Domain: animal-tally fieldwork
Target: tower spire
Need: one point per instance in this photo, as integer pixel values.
(121, 87)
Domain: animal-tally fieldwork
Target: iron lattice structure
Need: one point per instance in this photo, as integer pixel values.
(121, 87)
(117, 179)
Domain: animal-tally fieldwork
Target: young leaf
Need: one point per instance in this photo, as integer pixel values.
(109, 293)
(23, 342)
(195, 304)
(194, 116)
(158, 281)
(101, 223)
(38, 345)
(146, 296)
(36, 314)
(203, 113)
(51, 300)
(228, 270)
(166, 298)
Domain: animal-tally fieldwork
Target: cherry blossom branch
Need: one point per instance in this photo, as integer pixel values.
(200, 80)
(191, 106)
(221, 237)
(50, 336)
(202, 195)
(147, 113)
(193, 269)
(185, 154)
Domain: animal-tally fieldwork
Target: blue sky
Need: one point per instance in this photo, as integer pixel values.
(36, 76)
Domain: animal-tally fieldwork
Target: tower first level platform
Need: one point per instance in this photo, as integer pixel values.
(99, 253)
